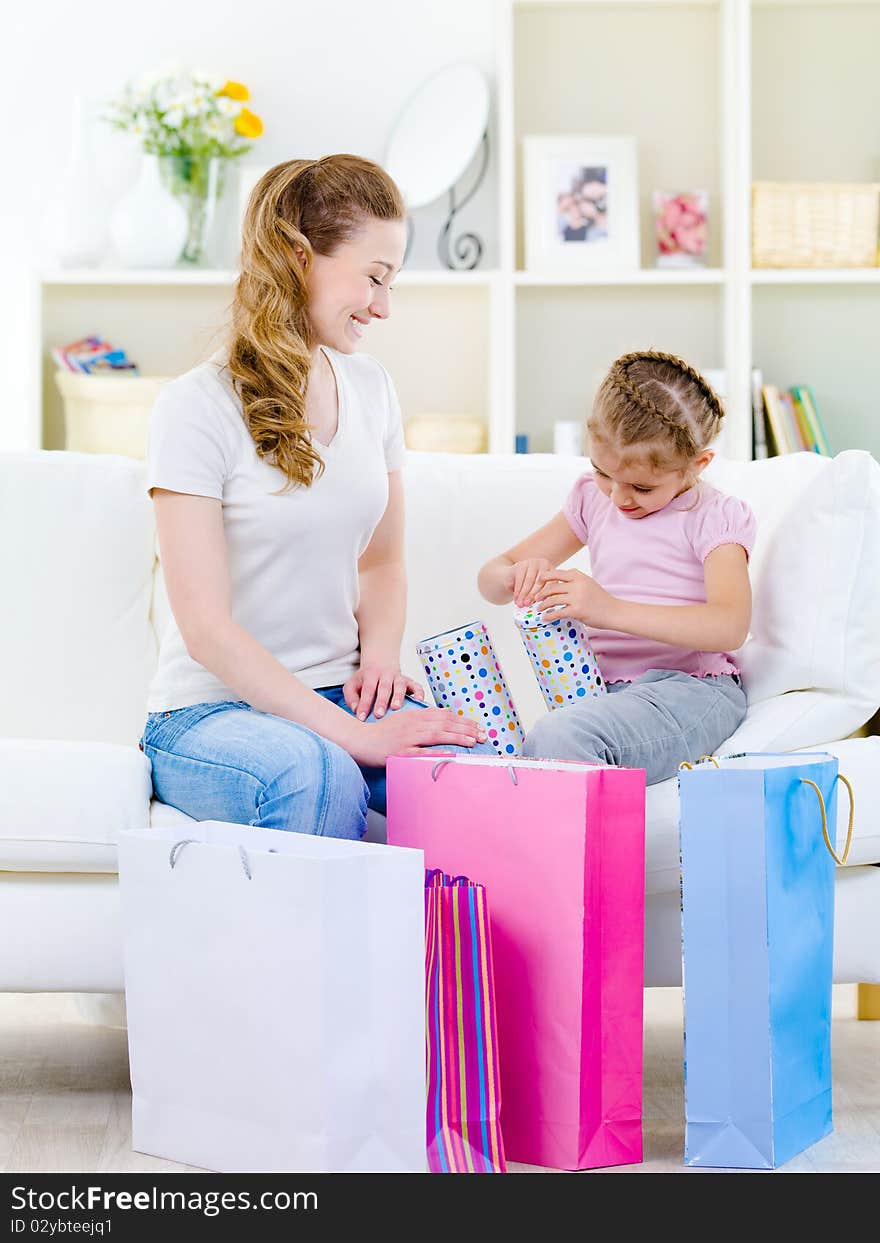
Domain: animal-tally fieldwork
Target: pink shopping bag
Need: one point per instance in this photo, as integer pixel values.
(560, 848)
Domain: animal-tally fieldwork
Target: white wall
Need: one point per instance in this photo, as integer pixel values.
(324, 77)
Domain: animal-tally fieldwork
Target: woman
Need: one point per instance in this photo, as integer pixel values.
(275, 475)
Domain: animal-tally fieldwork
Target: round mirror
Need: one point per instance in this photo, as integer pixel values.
(437, 132)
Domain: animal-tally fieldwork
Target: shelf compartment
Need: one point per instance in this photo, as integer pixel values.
(824, 336)
(566, 338)
(815, 91)
(569, 61)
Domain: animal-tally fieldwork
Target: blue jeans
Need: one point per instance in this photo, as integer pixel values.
(227, 761)
(654, 723)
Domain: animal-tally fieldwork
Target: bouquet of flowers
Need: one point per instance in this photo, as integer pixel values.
(175, 112)
(195, 123)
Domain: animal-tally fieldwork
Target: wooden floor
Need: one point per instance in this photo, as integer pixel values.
(65, 1102)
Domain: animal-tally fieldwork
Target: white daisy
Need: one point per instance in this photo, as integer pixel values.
(198, 103)
(207, 77)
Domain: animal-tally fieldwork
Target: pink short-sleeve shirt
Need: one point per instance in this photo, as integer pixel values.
(657, 559)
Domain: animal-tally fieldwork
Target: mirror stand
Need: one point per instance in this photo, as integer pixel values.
(466, 251)
(468, 247)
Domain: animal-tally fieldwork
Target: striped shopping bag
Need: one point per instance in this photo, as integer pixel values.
(464, 1090)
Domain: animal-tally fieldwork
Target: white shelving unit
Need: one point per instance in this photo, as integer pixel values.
(226, 277)
(698, 84)
(641, 276)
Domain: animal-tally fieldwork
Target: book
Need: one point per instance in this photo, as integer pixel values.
(777, 437)
(803, 422)
(792, 426)
(803, 394)
(759, 430)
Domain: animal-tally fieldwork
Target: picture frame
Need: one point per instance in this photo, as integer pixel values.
(581, 201)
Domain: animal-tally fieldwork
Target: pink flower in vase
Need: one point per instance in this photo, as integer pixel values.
(681, 225)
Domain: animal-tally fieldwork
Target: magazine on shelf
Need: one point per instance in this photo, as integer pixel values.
(93, 356)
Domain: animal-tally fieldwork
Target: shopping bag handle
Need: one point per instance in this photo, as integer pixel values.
(174, 855)
(841, 859)
(437, 768)
(436, 878)
(685, 764)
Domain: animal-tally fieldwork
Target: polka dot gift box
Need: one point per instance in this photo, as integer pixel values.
(561, 657)
(464, 675)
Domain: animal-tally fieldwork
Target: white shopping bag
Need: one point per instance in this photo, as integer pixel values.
(275, 996)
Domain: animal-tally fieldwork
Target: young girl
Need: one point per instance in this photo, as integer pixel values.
(668, 600)
(275, 472)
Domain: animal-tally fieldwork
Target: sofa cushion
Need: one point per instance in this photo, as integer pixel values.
(859, 761)
(816, 589)
(76, 561)
(63, 804)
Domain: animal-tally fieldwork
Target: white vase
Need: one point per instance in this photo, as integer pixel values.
(75, 221)
(148, 225)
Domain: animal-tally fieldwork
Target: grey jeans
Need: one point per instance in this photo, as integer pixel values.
(654, 723)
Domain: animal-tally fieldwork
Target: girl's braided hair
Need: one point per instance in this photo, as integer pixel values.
(659, 401)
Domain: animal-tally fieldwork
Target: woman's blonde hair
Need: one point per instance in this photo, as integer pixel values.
(659, 403)
(304, 207)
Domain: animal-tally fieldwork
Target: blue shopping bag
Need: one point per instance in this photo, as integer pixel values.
(757, 868)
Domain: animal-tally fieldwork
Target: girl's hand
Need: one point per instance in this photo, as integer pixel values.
(408, 733)
(525, 576)
(374, 688)
(569, 593)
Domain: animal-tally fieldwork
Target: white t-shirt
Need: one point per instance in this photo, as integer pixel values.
(293, 556)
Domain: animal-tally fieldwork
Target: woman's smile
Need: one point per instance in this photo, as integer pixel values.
(357, 324)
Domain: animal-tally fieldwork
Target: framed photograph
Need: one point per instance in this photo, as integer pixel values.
(581, 202)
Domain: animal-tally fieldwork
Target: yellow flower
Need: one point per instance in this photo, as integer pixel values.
(235, 90)
(248, 124)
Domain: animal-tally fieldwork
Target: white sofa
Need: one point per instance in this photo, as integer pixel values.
(84, 604)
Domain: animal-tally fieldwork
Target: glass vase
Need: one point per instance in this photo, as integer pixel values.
(197, 182)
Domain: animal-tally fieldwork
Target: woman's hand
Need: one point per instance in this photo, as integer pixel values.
(408, 733)
(375, 689)
(525, 577)
(569, 593)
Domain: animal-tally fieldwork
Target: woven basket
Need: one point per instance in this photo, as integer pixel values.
(108, 413)
(801, 225)
(445, 433)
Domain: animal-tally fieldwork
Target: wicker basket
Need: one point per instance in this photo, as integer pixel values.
(108, 413)
(801, 225)
(445, 433)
